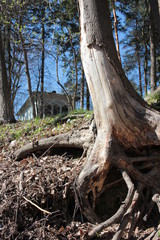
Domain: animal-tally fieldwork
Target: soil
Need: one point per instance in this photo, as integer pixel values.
(37, 198)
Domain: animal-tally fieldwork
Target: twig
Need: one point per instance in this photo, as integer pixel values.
(20, 182)
(41, 209)
(52, 146)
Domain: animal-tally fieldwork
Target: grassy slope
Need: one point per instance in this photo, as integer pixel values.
(26, 131)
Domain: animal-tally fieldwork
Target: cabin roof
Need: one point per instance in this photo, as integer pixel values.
(47, 95)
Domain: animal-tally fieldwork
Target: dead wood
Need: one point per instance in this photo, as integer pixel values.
(75, 139)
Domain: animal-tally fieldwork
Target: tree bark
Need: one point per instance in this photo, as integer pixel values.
(138, 61)
(155, 12)
(6, 110)
(76, 70)
(145, 69)
(120, 115)
(42, 65)
(153, 56)
(82, 90)
(87, 97)
(139, 71)
(116, 29)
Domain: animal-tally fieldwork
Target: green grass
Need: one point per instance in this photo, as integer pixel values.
(40, 128)
(153, 98)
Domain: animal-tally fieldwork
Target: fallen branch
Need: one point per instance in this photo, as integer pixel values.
(41, 209)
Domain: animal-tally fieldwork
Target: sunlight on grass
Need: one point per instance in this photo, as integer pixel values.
(40, 128)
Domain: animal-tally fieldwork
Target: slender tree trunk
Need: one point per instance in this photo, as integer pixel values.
(76, 71)
(120, 115)
(138, 61)
(9, 54)
(8, 31)
(28, 75)
(139, 71)
(42, 66)
(116, 30)
(153, 57)
(87, 97)
(63, 89)
(6, 109)
(27, 67)
(145, 43)
(82, 90)
(145, 69)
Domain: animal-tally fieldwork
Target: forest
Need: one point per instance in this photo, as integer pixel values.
(83, 174)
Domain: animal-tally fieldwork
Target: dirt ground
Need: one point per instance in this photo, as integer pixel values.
(37, 199)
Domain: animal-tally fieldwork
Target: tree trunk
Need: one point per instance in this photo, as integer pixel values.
(42, 67)
(82, 90)
(138, 61)
(6, 110)
(145, 69)
(87, 98)
(26, 63)
(69, 100)
(139, 71)
(28, 74)
(76, 70)
(153, 57)
(116, 29)
(128, 130)
(155, 12)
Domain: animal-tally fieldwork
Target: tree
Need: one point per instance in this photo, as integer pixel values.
(121, 149)
(23, 44)
(66, 40)
(40, 13)
(155, 11)
(153, 79)
(113, 3)
(6, 110)
(136, 40)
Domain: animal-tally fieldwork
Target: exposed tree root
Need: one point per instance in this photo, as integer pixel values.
(116, 217)
(138, 202)
(75, 139)
(141, 175)
(128, 217)
(138, 169)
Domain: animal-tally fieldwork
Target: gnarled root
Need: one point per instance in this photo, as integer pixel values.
(141, 175)
(118, 215)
